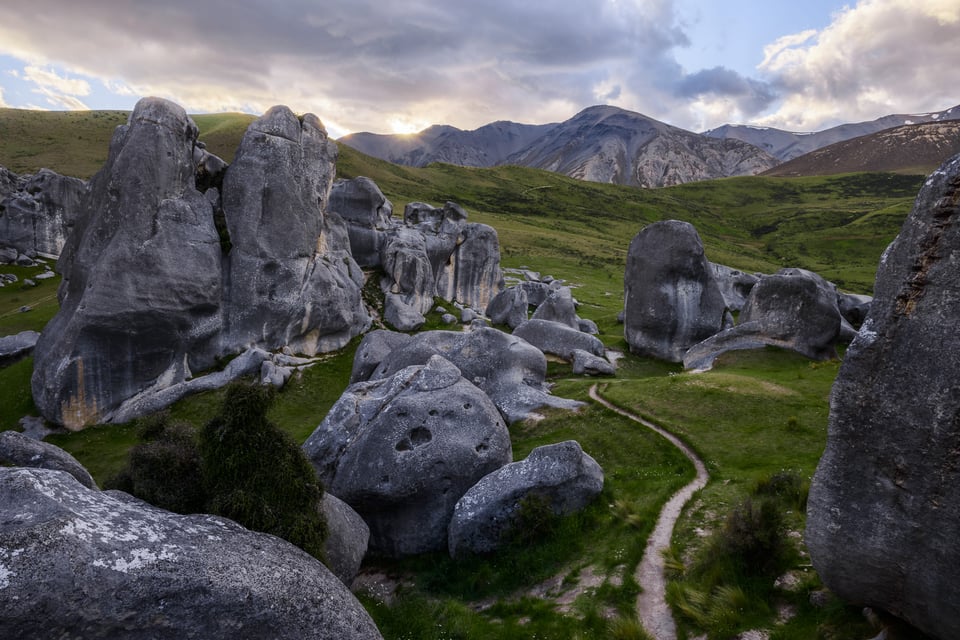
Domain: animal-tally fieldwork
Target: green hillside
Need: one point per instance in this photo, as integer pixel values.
(758, 418)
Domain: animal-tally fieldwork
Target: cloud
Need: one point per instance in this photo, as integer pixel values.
(2, 103)
(48, 79)
(879, 57)
(747, 96)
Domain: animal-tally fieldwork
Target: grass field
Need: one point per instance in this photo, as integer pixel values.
(755, 415)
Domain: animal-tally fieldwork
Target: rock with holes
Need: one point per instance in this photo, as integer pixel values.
(508, 369)
(401, 450)
(291, 279)
(80, 563)
(368, 215)
(793, 309)
(560, 476)
(671, 297)
(883, 516)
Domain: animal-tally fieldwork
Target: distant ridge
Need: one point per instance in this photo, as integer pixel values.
(601, 144)
(912, 148)
(786, 145)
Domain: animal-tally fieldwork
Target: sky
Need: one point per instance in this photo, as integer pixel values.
(399, 66)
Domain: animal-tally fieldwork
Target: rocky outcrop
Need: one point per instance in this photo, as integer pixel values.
(19, 450)
(793, 309)
(671, 297)
(409, 285)
(140, 299)
(883, 514)
(588, 363)
(401, 450)
(368, 215)
(561, 475)
(509, 307)
(735, 285)
(472, 275)
(374, 349)
(37, 211)
(347, 538)
(81, 563)
(558, 339)
(152, 290)
(17, 347)
(511, 371)
(558, 306)
(290, 281)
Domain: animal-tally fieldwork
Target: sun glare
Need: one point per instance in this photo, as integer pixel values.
(405, 126)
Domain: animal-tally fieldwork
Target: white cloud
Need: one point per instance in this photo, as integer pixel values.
(61, 100)
(877, 58)
(2, 102)
(48, 79)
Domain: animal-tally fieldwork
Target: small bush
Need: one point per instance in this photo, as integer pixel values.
(788, 487)
(753, 537)
(534, 520)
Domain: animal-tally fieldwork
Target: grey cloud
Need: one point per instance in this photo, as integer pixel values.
(752, 96)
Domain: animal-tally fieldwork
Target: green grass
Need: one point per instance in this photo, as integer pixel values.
(756, 414)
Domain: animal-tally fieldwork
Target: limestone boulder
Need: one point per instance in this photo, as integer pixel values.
(472, 275)
(368, 214)
(347, 538)
(561, 475)
(402, 450)
(291, 281)
(509, 307)
(883, 515)
(140, 299)
(38, 213)
(671, 297)
(588, 363)
(17, 347)
(440, 226)
(19, 450)
(735, 285)
(510, 370)
(792, 309)
(558, 306)
(409, 283)
(373, 349)
(558, 339)
(83, 563)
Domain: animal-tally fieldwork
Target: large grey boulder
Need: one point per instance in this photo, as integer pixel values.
(883, 516)
(671, 297)
(507, 368)
(373, 349)
(141, 293)
(19, 450)
(558, 306)
(368, 214)
(17, 347)
(347, 538)
(558, 339)
(441, 228)
(793, 309)
(38, 214)
(735, 285)
(290, 280)
(561, 475)
(472, 274)
(587, 363)
(87, 564)
(509, 307)
(409, 282)
(403, 449)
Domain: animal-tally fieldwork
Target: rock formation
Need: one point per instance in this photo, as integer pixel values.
(19, 450)
(409, 285)
(37, 212)
(671, 297)
(507, 368)
(401, 450)
(347, 538)
(152, 291)
(735, 285)
(558, 339)
(17, 347)
(509, 307)
(76, 562)
(368, 215)
(884, 513)
(793, 309)
(561, 474)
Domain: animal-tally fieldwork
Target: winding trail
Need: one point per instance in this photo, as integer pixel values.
(652, 607)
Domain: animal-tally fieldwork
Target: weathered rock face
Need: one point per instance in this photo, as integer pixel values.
(38, 213)
(792, 309)
(509, 307)
(734, 285)
(558, 339)
(347, 538)
(409, 282)
(285, 284)
(368, 215)
(81, 563)
(472, 275)
(373, 349)
(671, 297)
(140, 297)
(884, 512)
(17, 347)
(558, 306)
(507, 368)
(560, 474)
(440, 227)
(402, 450)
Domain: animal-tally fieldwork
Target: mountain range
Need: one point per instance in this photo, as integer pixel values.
(609, 144)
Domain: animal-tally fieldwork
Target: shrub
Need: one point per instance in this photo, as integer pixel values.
(256, 475)
(164, 469)
(533, 520)
(752, 536)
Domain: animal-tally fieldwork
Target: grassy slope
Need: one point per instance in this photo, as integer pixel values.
(737, 416)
